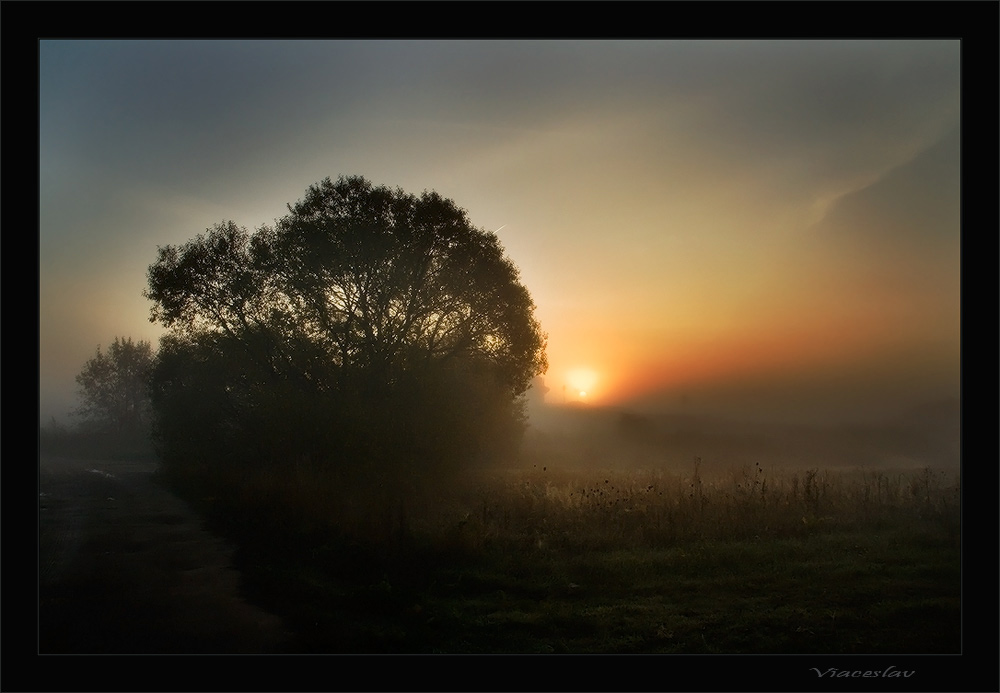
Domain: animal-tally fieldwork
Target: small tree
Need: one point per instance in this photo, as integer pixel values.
(113, 387)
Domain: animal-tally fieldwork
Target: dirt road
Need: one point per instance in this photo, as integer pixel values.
(126, 568)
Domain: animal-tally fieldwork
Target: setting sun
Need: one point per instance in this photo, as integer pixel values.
(581, 381)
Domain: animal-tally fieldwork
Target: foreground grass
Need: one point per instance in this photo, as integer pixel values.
(831, 564)
(839, 593)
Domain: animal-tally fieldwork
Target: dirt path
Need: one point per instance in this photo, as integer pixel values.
(125, 567)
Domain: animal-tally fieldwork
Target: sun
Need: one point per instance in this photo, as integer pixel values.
(581, 381)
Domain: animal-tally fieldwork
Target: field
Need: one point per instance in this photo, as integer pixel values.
(750, 560)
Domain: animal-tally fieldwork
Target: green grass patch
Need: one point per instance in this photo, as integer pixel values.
(523, 565)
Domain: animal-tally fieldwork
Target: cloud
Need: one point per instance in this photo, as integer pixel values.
(916, 203)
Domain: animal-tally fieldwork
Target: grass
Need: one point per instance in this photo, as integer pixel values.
(641, 562)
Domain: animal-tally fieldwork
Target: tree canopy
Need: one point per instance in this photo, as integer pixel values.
(366, 319)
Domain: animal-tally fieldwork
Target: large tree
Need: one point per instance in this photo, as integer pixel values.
(113, 387)
(367, 322)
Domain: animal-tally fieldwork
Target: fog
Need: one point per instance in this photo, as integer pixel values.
(575, 437)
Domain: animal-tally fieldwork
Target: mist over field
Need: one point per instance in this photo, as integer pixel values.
(576, 437)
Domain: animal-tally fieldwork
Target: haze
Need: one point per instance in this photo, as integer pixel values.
(760, 230)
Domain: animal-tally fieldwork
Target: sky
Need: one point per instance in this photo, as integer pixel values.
(751, 229)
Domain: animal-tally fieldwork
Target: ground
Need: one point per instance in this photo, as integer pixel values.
(126, 567)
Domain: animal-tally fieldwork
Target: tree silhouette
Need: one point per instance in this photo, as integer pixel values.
(368, 323)
(113, 387)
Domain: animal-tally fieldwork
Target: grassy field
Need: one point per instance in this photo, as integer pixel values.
(538, 561)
